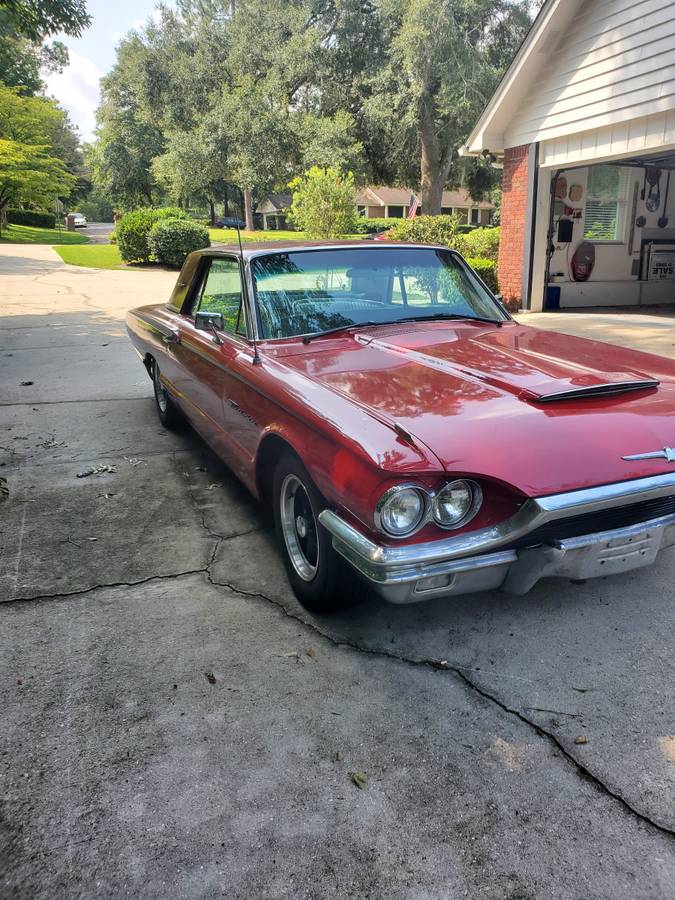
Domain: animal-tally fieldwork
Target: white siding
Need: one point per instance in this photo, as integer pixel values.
(615, 63)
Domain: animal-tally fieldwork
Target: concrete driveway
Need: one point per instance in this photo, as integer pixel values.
(174, 725)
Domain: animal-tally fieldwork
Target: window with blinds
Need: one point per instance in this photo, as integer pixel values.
(606, 197)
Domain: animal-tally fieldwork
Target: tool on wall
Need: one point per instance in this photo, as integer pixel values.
(663, 221)
(653, 200)
(633, 223)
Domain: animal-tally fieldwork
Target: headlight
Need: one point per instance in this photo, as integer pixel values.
(456, 503)
(400, 510)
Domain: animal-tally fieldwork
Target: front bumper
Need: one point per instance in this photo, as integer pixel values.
(482, 560)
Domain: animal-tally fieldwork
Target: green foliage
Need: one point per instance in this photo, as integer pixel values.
(480, 243)
(170, 240)
(133, 231)
(323, 202)
(37, 20)
(29, 217)
(426, 230)
(372, 226)
(487, 270)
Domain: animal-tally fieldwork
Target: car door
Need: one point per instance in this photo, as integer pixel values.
(205, 355)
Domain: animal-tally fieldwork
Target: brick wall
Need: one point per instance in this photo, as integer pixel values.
(512, 237)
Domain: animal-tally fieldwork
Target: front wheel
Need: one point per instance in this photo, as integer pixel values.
(320, 578)
(167, 410)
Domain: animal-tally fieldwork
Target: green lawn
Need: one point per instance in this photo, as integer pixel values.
(229, 236)
(96, 256)
(24, 234)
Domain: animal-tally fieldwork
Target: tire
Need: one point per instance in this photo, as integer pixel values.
(321, 580)
(167, 410)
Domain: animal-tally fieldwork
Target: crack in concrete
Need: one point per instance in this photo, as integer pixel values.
(344, 643)
(443, 666)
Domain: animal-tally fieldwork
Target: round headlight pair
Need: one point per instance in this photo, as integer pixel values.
(404, 508)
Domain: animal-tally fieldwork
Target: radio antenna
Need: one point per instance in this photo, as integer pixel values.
(256, 357)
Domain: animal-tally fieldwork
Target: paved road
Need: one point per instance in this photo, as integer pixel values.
(98, 232)
(174, 725)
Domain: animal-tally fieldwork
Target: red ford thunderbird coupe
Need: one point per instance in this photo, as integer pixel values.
(405, 429)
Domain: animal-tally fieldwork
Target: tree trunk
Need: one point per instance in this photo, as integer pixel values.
(212, 211)
(435, 162)
(226, 203)
(248, 210)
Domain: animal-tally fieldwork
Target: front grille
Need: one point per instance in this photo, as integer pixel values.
(603, 520)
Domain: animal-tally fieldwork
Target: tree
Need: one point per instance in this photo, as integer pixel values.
(24, 26)
(37, 19)
(323, 202)
(445, 58)
(31, 170)
(193, 167)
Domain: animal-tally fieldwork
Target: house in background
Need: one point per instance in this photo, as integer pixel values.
(583, 123)
(273, 212)
(382, 202)
(394, 203)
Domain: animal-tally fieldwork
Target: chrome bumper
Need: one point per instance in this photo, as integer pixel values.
(477, 561)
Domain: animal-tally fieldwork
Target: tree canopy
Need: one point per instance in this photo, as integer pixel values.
(256, 92)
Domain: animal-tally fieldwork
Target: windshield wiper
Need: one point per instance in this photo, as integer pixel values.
(310, 337)
(497, 322)
(315, 334)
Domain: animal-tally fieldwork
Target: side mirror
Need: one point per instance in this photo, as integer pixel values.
(207, 321)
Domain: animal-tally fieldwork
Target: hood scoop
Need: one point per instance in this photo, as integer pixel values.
(589, 391)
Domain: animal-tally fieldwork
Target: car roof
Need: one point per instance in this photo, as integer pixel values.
(259, 248)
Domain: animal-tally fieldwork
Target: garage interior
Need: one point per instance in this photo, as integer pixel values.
(611, 234)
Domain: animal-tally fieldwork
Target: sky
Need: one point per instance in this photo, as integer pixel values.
(93, 55)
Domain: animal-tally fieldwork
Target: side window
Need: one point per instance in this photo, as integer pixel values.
(221, 293)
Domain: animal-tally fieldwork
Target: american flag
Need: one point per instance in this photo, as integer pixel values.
(413, 206)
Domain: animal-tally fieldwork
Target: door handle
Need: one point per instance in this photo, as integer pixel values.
(173, 337)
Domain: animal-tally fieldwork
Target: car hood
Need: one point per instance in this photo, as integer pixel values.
(497, 402)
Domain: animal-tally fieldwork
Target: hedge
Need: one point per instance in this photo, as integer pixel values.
(425, 230)
(487, 270)
(372, 226)
(170, 240)
(31, 218)
(481, 243)
(133, 230)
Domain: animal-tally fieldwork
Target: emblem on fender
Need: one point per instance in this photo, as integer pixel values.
(668, 453)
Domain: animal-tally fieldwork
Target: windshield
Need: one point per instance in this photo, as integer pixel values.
(311, 291)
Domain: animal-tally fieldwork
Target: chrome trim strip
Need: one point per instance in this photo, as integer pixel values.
(533, 513)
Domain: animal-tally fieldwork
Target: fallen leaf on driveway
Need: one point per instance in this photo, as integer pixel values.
(211, 487)
(311, 653)
(581, 739)
(4, 490)
(134, 460)
(339, 755)
(26, 383)
(97, 470)
(360, 779)
(210, 677)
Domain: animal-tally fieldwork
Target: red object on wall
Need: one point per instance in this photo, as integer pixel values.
(583, 261)
(511, 261)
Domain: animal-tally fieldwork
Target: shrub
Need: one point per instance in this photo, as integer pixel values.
(371, 226)
(171, 240)
(112, 236)
(323, 202)
(481, 243)
(31, 218)
(134, 228)
(426, 230)
(487, 270)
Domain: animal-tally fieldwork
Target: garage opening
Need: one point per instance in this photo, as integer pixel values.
(611, 234)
